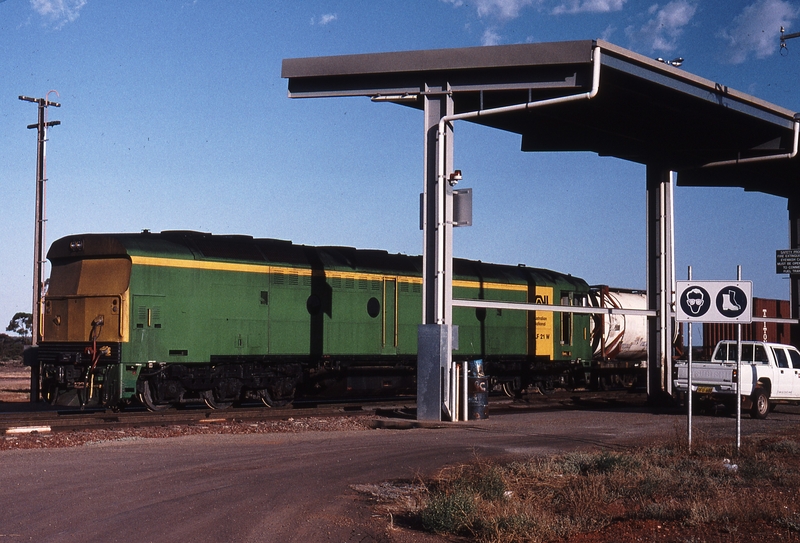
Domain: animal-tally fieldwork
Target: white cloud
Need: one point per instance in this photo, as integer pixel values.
(757, 28)
(322, 20)
(59, 12)
(588, 6)
(608, 32)
(662, 31)
(502, 9)
(490, 37)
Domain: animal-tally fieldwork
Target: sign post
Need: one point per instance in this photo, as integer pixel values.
(720, 302)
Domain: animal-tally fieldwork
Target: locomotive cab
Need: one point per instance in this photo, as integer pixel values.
(84, 322)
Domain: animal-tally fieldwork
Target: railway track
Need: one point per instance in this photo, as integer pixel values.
(37, 421)
(34, 419)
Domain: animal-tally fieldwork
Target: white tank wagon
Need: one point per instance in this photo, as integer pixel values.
(619, 342)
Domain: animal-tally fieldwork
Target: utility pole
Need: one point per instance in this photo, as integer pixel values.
(38, 242)
(785, 37)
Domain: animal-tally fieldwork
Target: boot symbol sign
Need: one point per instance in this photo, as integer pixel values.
(731, 301)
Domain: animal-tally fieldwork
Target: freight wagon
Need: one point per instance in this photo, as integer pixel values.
(177, 317)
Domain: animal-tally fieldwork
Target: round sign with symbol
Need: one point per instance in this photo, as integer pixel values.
(731, 301)
(695, 301)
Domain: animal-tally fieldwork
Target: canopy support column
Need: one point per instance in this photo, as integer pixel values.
(435, 337)
(660, 281)
(793, 205)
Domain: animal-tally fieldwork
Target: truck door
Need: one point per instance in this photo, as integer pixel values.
(794, 359)
(785, 374)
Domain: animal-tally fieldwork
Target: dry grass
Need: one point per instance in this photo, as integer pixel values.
(553, 498)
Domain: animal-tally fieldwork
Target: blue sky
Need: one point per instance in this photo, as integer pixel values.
(174, 116)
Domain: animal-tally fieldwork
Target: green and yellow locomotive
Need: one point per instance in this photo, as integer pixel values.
(177, 317)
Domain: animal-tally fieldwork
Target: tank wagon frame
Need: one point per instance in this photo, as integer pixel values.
(176, 317)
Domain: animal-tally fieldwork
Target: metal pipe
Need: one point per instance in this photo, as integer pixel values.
(689, 406)
(524, 306)
(453, 391)
(739, 374)
(441, 176)
(792, 154)
(465, 388)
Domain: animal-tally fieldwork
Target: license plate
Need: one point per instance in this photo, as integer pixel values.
(705, 390)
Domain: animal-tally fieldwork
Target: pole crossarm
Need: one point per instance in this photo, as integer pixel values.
(41, 101)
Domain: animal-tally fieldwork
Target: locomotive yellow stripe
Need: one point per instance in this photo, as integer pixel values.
(303, 272)
(496, 286)
(205, 265)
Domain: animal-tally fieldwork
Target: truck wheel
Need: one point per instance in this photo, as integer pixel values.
(761, 407)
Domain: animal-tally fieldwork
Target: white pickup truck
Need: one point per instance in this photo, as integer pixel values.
(770, 375)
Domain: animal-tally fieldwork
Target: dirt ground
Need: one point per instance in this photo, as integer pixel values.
(15, 381)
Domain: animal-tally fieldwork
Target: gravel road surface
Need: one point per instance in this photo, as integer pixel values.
(286, 487)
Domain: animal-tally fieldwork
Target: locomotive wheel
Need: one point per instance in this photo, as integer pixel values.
(546, 388)
(509, 391)
(266, 399)
(146, 397)
(212, 402)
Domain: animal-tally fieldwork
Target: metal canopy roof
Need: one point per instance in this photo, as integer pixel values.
(645, 111)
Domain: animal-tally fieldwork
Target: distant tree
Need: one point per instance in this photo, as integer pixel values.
(10, 347)
(21, 324)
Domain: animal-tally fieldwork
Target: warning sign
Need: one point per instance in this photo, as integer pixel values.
(714, 301)
(787, 261)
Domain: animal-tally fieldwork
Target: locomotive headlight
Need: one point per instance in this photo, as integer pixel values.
(76, 246)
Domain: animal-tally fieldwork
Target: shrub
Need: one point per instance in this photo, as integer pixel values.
(553, 498)
(448, 512)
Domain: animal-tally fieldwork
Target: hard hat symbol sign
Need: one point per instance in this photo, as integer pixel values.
(695, 301)
(731, 301)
